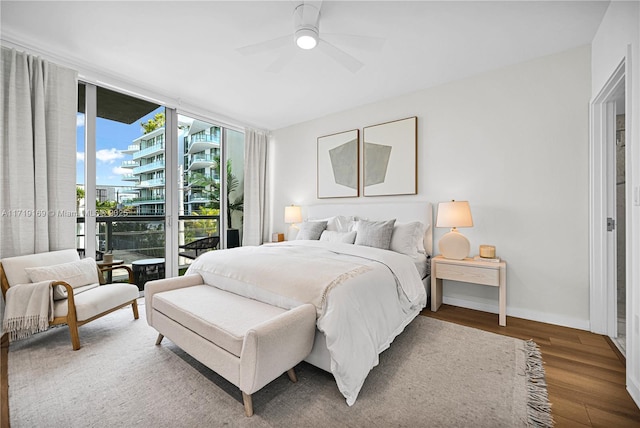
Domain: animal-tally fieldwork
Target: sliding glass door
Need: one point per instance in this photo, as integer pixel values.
(158, 188)
(121, 169)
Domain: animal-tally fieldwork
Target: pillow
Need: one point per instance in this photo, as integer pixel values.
(341, 237)
(374, 233)
(338, 223)
(76, 274)
(421, 248)
(407, 238)
(311, 230)
(341, 223)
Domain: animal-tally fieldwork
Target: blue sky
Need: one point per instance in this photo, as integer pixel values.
(111, 137)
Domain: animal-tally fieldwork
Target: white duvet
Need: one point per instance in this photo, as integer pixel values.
(364, 296)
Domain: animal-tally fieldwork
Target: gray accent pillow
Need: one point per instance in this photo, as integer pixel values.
(311, 230)
(374, 233)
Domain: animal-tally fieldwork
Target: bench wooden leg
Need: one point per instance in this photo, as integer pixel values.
(248, 404)
(292, 375)
(134, 306)
(159, 339)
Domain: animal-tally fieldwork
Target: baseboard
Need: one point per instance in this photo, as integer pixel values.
(520, 313)
(634, 390)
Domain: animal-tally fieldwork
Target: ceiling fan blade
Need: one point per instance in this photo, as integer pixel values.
(265, 46)
(365, 43)
(283, 59)
(340, 56)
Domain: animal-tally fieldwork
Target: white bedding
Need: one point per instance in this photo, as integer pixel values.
(360, 314)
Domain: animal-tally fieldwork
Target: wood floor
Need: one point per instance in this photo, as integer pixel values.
(585, 372)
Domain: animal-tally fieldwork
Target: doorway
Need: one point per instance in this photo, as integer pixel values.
(620, 235)
(608, 171)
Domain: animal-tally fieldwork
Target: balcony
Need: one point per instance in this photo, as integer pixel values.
(198, 199)
(130, 164)
(147, 200)
(154, 150)
(150, 167)
(201, 161)
(129, 177)
(156, 182)
(199, 143)
(136, 237)
(131, 149)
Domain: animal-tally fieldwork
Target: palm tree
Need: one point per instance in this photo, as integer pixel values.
(211, 188)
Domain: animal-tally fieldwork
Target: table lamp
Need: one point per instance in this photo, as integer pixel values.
(292, 215)
(454, 214)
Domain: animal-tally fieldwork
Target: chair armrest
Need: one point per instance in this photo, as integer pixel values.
(71, 303)
(160, 285)
(112, 268)
(275, 346)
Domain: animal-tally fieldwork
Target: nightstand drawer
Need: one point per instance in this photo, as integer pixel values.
(477, 275)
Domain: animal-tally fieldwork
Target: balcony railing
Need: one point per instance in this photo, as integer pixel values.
(148, 200)
(153, 166)
(130, 164)
(200, 142)
(156, 182)
(205, 138)
(132, 149)
(149, 151)
(132, 237)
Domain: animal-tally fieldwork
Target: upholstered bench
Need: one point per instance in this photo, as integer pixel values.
(247, 342)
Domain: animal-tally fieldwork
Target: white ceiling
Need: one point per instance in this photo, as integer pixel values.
(187, 51)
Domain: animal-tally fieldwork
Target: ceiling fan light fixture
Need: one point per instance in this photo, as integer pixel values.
(306, 38)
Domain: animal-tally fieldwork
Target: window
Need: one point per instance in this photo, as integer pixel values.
(126, 174)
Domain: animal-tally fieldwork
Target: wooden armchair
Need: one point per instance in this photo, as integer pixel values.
(194, 248)
(78, 296)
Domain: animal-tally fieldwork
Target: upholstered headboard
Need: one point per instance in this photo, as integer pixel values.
(401, 211)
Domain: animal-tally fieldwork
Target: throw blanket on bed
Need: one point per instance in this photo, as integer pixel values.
(28, 310)
(283, 271)
(364, 296)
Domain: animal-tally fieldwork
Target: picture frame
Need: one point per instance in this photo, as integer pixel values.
(390, 158)
(338, 173)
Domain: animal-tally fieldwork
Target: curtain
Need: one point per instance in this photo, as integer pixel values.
(37, 155)
(255, 185)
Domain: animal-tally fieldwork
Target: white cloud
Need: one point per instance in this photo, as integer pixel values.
(120, 171)
(79, 156)
(79, 120)
(108, 155)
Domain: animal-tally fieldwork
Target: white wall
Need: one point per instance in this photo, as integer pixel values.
(514, 143)
(618, 32)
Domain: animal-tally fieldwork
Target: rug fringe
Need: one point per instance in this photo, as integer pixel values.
(538, 406)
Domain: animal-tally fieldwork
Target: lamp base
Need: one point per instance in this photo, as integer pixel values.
(454, 245)
(292, 232)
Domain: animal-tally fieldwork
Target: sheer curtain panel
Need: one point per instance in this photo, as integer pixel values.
(255, 185)
(37, 154)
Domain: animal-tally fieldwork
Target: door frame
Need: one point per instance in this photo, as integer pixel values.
(602, 244)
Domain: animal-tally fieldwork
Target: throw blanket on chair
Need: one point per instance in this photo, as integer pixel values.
(28, 310)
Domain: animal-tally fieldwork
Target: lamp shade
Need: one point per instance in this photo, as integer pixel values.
(292, 214)
(454, 214)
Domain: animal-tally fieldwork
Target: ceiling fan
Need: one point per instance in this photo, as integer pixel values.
(306, 35)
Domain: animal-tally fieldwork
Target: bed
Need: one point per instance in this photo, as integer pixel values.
(364, 296)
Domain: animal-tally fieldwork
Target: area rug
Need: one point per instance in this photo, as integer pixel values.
(435, 374)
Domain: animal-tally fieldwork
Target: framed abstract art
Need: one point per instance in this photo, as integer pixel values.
(338, 172)
(390, 158)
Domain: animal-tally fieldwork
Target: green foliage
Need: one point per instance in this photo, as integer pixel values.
(194, 229)
(211, 188)
(153, 124)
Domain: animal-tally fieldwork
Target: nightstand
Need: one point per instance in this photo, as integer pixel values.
(493, 274)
